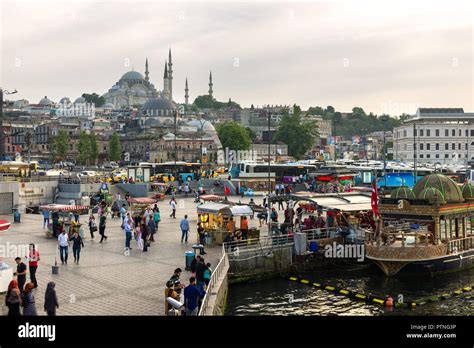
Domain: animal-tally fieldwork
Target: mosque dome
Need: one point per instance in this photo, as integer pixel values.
(108, 106)
(402, 193)
(65, 100)
(45, 102)
(468, 192)
(132, 75)
(432, 194)
(206, 125)
(80, 100)
(158, 107)
(447, 187)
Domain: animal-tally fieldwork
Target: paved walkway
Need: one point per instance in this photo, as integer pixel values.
(107, 282)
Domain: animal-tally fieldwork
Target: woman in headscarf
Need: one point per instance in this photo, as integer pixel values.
(28, 300)
(50, 299)
(13, 299)
(151, 228)
(144, 230)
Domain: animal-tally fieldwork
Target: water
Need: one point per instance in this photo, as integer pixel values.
(273, 297)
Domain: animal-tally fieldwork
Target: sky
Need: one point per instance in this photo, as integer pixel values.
(385, 56)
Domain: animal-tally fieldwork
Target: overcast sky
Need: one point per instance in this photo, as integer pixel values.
(385, 56)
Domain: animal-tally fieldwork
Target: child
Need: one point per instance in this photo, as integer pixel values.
(139, 237)
(207, 274)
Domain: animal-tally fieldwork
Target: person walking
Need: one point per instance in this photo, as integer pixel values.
(45, 218)
(157, 217)
(192, 294)
(151, 228)
(200, 268)
(28, 301)
(207, 274)
(184, 224)
(77, 244)
(50, 299)
(128, 235)
(13, 299)
(102, 222)
(201, 237)
(33, 257)
(145, 236)
(63, 245)
(173, 208)
(20, 273)
(92, 225)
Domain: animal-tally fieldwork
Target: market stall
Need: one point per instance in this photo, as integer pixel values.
(139, 205)
(62, 211)
(159, 190)
(211, 198)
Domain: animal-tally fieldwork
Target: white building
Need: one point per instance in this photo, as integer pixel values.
(437, 135)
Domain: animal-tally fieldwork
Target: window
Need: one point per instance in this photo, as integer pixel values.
(453, 146)
(428, 156)
(460, 133)
(446, 132)
(472, 132)
(421, 146)
(421, 156)
(405, 133)
(467, 132)
(428, 132)
(465, 146)
(446, 146)
(453, 132)
(437, 132)
(428, 146)
(437, 146)
(437, 155)
(459, 146)
(421, 132)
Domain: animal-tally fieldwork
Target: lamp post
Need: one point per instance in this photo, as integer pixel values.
(175, 147)
(2, 142)
(269, 179)
(202, 131)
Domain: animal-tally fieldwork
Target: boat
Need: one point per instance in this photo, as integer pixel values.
(427, 230)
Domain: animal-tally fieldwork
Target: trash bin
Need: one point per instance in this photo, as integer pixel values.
(190, 255)
(313, 247)
(16, 215)
(208, 239)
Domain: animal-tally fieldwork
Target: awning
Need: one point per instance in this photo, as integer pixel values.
(142, 200)
(238, 210)
(4, 225)
(211, 198)
(211, 207)
(63, 207)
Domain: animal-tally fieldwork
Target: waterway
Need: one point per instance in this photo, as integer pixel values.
(280, 296)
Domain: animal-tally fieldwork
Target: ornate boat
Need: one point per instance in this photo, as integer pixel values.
(429, 229)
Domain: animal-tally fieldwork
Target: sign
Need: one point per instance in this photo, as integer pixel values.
(204, 150)
(104, 188)
(367, 177)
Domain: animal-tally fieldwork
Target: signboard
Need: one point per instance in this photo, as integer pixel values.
(367, 177)
(204, 150)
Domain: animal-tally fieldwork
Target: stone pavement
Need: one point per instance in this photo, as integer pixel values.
(107, 282)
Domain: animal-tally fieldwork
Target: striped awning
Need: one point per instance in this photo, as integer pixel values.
(4, 225)
(141, 200)
(63, 207)
(211, 198)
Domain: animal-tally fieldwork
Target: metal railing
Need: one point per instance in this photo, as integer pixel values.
(221, 268)
(461, 244)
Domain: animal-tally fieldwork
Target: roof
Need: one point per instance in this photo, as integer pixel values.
(132, 75)
(142, 200)
(158, 104)
(63, 207)
(211, 207)
(238, 210)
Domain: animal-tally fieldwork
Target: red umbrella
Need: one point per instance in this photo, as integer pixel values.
(4, 225)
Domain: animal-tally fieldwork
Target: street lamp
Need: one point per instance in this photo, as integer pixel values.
(2, 143)
(202, 131)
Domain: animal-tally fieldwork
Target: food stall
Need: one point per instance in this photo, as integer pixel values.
(211, 198)
(159, 190)
(214, 218)
(63, 210)
(139, 205)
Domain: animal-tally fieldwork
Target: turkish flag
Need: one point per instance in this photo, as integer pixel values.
(226, 190)
(375, 200)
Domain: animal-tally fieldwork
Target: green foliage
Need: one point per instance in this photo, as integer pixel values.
(115, 150)
(251, 133)
(358, 122)
(207, 102)
(234, 136)
(60, 146)
(94, 98)
(88, 148)
(299, 135)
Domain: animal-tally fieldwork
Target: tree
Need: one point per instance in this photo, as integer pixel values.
(115, 150)
(207, 102)
(83, 147)
(251, 133)
(94, 98)
(60, 145)
(94, 147)
(299, 135)
(234, 136)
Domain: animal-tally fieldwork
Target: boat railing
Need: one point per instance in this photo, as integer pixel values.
(460, 244)
(421, 237)
(211, 289)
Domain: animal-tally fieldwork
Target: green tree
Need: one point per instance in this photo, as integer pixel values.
(252, 134)
(94, 98)
(234, 136)
(204, 102)
(115, 150)
(93, 148)
(60, 145)
(83, 147)
(299, 135)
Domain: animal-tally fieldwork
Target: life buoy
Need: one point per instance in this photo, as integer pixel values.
(389, 302)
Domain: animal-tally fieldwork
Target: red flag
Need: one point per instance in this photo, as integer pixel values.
(375, 200)
(226, 190)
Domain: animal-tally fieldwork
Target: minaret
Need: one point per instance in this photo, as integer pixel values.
(170, 75)
(210, 84)
(186, 92)
(166, 90)
(146, 70)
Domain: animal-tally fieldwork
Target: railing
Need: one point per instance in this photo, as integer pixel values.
(461, 244)
(221, 268)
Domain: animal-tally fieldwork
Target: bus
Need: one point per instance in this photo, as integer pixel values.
(166, 170)
(284, 172)
(16, 168)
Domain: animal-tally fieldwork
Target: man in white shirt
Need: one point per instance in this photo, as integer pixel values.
(173, 208)
(63, 245)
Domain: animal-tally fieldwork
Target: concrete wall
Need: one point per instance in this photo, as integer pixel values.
(36, 193)
(262, 261)
(135, 190)
(11, 187)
